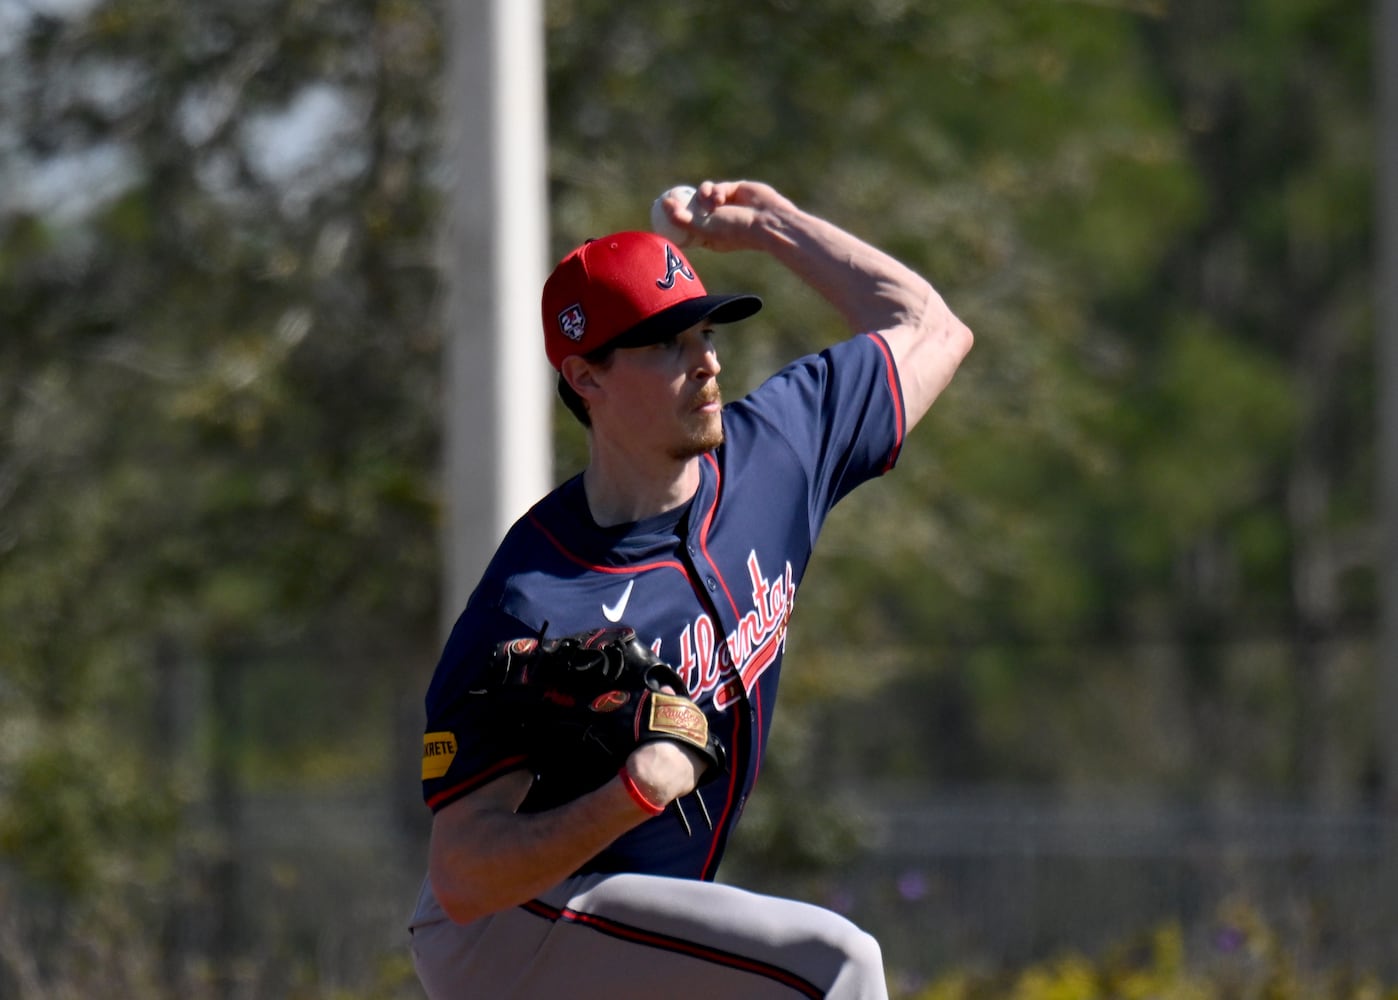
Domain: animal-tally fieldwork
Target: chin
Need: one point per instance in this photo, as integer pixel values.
(700, 443)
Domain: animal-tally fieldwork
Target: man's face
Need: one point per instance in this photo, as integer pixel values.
(665, 396)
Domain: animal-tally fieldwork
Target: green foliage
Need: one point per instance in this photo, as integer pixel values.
(219, 399)
(1240, 956)
(218, 389)
(78, 807)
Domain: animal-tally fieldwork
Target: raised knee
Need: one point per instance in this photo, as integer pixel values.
(864, 952)
(861, 975)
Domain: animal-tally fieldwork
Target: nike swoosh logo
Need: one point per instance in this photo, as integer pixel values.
(614, 612)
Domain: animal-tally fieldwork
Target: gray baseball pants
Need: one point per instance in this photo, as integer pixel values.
(618, 937)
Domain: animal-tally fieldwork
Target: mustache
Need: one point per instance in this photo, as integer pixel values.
(709, 394)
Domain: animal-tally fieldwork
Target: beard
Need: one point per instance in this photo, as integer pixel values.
(704, 432)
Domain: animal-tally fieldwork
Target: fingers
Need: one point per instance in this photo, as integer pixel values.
(731, 215)
(717, 214)
(713, 195)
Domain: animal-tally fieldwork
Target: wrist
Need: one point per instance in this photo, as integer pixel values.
(645, 800)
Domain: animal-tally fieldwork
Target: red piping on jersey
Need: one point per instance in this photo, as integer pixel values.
(704, 536)
(623, 570)
(665, 942)
(704, 600)
(709, 862)
(896, 388)
(476, 781)
(707, 872)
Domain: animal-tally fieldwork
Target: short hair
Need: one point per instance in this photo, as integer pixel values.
(573, 401)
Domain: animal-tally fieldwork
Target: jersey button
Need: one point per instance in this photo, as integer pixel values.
(713, 584)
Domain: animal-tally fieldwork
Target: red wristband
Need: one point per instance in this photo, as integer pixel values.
(639, 797)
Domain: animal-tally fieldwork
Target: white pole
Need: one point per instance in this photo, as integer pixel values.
(497, 391)
(1386, 336)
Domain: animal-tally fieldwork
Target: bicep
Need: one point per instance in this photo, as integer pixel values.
(927, 354)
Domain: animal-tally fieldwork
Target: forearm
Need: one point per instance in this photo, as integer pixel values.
(872, 290)
(485, 857)
(875, 293)
(869, 288)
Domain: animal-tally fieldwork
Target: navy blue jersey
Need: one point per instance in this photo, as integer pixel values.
(710, 587)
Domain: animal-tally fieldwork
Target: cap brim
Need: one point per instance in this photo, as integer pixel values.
(682, 315)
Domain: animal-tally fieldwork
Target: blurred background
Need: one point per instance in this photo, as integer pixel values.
(1092, 696)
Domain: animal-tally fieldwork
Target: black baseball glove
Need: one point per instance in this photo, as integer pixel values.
(582, 703)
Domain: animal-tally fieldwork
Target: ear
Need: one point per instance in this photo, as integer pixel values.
(580, 374)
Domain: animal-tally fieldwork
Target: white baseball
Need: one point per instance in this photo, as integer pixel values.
(660, 221)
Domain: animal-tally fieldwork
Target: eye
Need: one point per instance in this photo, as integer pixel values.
(680, 341)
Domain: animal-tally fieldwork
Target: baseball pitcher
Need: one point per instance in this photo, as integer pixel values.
(599, 714)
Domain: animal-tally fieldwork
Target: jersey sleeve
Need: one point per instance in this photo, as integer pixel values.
(466, 743)
(840, 412)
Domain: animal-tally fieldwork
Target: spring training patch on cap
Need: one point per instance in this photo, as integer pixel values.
(572, 322)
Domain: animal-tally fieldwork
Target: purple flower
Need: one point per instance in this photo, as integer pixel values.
(912, 885)
(1229, 939)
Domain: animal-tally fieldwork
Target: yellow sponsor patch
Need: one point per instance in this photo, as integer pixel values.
(438, 751)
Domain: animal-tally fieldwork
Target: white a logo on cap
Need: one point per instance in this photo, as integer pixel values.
(572, 322)
(674, 265)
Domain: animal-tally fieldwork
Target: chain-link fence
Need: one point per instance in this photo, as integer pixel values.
(322, 888)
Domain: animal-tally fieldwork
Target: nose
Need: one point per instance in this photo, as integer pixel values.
(705, 363)
(710, 365)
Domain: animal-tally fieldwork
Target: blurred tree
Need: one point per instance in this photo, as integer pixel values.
(1130, 544)
(1022, 157)
(1277, 108)
(217, 380)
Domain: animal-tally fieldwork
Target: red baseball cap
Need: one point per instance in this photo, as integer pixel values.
(626, 290)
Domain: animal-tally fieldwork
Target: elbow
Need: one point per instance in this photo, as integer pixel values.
(463, 913)
(469, 864)
(458, 901)
(938, 325)
(953, 337)
(965, 339)
(464, 888)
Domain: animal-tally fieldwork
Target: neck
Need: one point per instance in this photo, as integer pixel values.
(619, 492)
